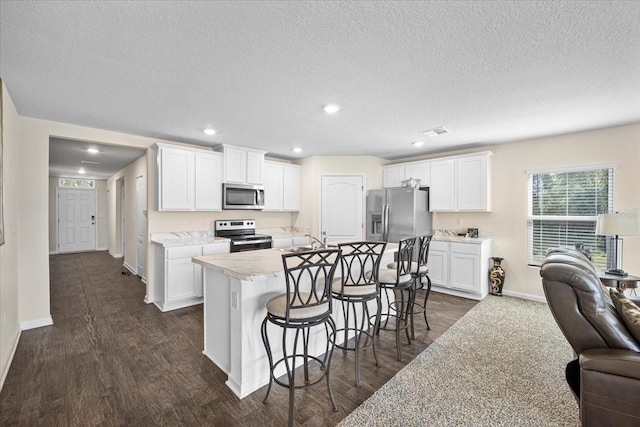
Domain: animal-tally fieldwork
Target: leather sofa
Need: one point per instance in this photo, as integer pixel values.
(605, 376)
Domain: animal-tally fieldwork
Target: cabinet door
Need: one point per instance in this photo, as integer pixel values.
(291, 188)
(282, 242)
(215, 248)
(182, 280)
(442, 187)
(300, 240)
(254, 167)
(208, 181)
(235, 165)
(471, 175)
(273, 186)
(420, 170)
(176, 179)
(438, 265)
(392, 176)
(465, 271)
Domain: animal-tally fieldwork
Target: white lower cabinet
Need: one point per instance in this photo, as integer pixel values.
(460, 269)
(178, 281)
(288, 241)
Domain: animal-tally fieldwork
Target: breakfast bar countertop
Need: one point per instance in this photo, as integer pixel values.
(252, 265)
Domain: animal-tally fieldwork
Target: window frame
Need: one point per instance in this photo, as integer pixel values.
(531, 257)
(61, 185)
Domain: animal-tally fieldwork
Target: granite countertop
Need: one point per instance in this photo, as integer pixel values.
(252, 265)
(459, 239)
(186, 238)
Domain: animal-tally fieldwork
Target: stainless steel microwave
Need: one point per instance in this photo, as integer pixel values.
(242, 196)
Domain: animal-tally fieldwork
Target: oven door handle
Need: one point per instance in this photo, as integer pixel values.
(251, 242)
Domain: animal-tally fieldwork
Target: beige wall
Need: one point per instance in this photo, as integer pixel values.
(312, 168)
(101, 195)
(9, 271)
(507, 223)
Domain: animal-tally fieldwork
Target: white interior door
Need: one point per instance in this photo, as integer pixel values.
(140, 227)
(342, 201)
(76, 219)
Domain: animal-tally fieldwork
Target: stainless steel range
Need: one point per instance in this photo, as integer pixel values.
(242, 233)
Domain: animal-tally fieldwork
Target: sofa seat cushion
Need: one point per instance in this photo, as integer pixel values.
(629, 312)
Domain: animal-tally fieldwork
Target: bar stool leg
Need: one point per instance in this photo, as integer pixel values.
(327, 358)
(426, 297)
(269, 356)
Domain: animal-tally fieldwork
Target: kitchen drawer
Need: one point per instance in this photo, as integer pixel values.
(439, 246)
(215, 248)
(465, 248)
(184, 252)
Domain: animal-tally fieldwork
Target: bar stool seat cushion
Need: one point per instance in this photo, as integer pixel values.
(277, 306)
(414, 265)
(386, 275)
(353, 290)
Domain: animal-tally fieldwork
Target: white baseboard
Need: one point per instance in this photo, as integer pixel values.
(524, 296)
(12, 352)
(115, 255)
(144, 280)
(128, 267)
(53, 252)
(37, 323)
(102, 249)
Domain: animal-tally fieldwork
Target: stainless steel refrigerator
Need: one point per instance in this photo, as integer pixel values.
(397, 213)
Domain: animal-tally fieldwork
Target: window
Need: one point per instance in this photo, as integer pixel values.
(78, 183)
(563, 209)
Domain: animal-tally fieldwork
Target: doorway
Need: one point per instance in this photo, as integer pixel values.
(341, 207)
(141, 199)
(76, 219)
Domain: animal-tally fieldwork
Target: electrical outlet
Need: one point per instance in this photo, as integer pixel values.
(234, 299)
(459, 221)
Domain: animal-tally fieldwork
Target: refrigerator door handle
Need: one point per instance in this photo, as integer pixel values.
(385, 222)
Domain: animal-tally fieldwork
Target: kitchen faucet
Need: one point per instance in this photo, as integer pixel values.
(323, 242)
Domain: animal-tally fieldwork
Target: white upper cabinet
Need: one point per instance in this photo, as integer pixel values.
(442, 189)
(472, 179)
(393, 175)
(187, 179)
(208, 181)
(291, 188)
(273, 179)
(243, 165)
(461, 183)
(281, 187)
(174, 179)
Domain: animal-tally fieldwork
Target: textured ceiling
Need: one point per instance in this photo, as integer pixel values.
(259, 72)
(66, 157)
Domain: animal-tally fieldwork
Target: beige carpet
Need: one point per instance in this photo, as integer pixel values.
(501, 364)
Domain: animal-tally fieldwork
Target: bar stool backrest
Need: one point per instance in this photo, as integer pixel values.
(360, 263)
(423, 252)
(405, 256)
(308, 279)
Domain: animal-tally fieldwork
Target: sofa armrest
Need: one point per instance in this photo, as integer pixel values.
(609, 387)
(613, 361)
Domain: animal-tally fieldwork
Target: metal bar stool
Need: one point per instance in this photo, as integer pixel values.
(358, 284)
(419, 273)
(398, 281)
(305, 305)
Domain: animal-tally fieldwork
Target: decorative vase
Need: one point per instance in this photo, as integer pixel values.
(496, 276)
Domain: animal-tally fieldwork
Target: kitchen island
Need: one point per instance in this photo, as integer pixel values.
(237, 287)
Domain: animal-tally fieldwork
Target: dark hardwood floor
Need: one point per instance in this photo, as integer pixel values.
(111, 359)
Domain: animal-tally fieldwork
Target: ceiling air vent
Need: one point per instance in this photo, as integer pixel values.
(89, 162)
(440, 130)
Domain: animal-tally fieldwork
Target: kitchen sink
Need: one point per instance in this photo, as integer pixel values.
(296, 249)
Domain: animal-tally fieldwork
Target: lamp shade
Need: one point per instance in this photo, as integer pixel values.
(618, 224)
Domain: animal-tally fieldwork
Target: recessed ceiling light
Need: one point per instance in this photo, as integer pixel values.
(210, 131)
(440, 130)
(81, 171)
(93, 150)
(331, 108)
(297, 150)
(418, 143)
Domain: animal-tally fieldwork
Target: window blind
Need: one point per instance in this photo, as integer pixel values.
(563, 209)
